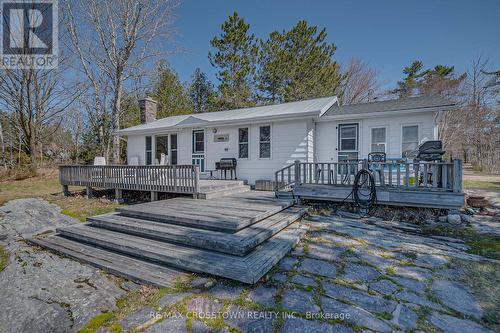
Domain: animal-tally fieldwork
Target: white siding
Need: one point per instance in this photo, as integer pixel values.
(136, 147)
(327, 137)
(289, 142)
(302, 140)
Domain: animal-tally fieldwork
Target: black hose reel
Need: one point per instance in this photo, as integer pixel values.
(364, 192)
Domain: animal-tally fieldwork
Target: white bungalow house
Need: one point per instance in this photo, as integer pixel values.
(264, 139)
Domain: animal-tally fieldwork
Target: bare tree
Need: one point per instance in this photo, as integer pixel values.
(472, 131)
(113, 40)
(35, 100)
(360, 83)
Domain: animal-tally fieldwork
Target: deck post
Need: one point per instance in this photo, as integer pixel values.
(297, 172)
(196, 181)
(118, 196)
(65, 190)
(154, 196)
(457, 175)
(89, 192)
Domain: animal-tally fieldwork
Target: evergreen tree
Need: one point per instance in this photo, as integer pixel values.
(298, 64)
(201, 92)
(440, 80)
(170, 93)
(414, 73)
(234, 58)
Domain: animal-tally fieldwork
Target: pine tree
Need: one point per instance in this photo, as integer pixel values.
(170, 93)
(414, 73)
(234, 58)
(440, 80)
(298, 64)
(201, 92)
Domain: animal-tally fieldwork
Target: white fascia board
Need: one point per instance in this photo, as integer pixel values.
(327, 107)
(256, 120)
(385, 113)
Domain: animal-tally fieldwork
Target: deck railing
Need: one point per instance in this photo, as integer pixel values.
(154, 178)
(432, 176)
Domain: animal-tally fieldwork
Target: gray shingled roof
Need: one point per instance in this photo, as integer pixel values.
(311, 107)
(326, 106)
(411, 103)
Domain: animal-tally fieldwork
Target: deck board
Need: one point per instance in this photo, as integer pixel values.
(238, 243)
(247, 269)
(227, 214)
(114, 263)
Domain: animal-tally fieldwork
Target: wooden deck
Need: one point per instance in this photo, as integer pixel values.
(422, 184)
(239, 237)
(228, 214)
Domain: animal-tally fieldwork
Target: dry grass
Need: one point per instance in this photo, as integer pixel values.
(483, 278)
(46, 186)
(4, 258)
(80, 208)
(483, 185)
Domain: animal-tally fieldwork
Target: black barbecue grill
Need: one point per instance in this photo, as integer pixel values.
(226, 164)
(431, 152)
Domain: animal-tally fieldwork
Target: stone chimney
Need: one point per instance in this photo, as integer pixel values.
(148, 109)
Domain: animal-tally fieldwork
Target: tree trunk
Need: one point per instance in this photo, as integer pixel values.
(116, 119)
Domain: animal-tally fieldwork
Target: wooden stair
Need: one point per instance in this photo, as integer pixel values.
(212, 189)
(239, 237)
(239, 243)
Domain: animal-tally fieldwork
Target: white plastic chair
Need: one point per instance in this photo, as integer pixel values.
(99, 160)
(163, 159)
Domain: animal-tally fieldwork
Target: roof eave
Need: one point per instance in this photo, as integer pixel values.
(282, 117)
(389, 113)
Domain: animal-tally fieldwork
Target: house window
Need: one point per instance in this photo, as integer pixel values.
(409, 139)
(161, 143)
(149, 151)
(378, 140)
(348, 137)
(348, 142)
(243, 143)
(198, 141)
(265, 141)
(173, 149)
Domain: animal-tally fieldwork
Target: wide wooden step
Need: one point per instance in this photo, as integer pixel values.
(223, 192)
(247, 269)
(118, 264)
(215, 185)
(239, 243)
(227, 214)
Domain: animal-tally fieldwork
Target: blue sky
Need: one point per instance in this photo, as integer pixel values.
(387, 34)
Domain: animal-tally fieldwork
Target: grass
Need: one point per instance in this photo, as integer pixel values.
(28, 188)
(97, 322)
(483, 278)
(47, 187)
(483, 185)
(484, 245)
(80, 208)
(4, 258)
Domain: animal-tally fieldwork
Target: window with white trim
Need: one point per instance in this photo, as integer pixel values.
(409, 139)
(378, 139)
(348, 142)
(243, 142)
(149, 150)
(265, 141)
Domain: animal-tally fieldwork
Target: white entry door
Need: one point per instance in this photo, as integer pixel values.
(198, 156)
